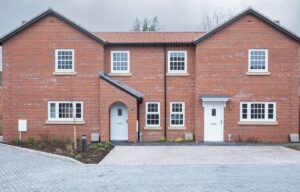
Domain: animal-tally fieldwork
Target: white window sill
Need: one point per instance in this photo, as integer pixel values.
(152, 128)
(178, 74)
(258, 73)
(258, 123)
(64, 122)
(64, 73)
(120, 74)
(177, 128)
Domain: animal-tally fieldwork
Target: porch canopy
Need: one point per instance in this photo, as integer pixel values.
(214, 98)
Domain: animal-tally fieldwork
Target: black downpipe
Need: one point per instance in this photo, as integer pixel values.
(165, 91)
(138, 119)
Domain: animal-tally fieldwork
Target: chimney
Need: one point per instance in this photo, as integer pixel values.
(23, 22)
(277, 21)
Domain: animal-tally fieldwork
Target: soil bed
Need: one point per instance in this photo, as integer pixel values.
(94, 152)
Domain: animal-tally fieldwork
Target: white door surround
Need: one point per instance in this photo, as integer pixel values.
(118, 122)
(214, 121)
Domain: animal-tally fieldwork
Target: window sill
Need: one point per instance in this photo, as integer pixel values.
(153, 128)
(258, 73)
(178, 74)
(120, 74)
(64, 122)
(177, 128)
(258, 123)
(64, 73)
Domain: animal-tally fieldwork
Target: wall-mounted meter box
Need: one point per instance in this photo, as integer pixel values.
(22, 125)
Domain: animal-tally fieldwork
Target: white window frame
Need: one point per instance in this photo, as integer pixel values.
(266, 61)
(111, 62)
(146, 118)
(56, 61)
(183, 112)
(266, 111)
(57, 111)
(169, 62)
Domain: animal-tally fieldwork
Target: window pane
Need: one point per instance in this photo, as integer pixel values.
(257, 59)
(120, 61)
(177, 61)
(78, 110)
(52, 110)
(65, 59)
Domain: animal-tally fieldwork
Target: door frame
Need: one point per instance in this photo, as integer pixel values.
(222, 105)
(110, 121)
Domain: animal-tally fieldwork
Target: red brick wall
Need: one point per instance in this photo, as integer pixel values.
(147, 69)
(222, 61)
(29, 83)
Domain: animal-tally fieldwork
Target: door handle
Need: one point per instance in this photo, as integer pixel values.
(221, 121)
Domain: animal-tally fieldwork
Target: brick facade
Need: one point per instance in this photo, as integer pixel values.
(216, 66)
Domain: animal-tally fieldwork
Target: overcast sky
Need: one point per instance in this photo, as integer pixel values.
(118, 15)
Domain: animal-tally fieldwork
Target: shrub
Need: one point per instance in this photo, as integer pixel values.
(19, 142)
(179, 140)
(78, 157)
(42, 145)
(68, 141)
(189, 140)
(31, 141)
(162, 139)
(54, 142)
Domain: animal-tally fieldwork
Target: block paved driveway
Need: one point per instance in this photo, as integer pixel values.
(270, 168)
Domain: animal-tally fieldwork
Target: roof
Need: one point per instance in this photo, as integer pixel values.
(240, 15)
(58, 15)
(149, 37)
(122, 86)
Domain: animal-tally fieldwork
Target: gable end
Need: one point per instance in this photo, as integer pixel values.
(56, 14)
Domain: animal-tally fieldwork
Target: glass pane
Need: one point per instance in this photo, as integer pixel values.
(213, 112)
(119, 112)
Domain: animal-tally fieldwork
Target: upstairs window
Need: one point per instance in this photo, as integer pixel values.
(177, 62)
(258, 60)
(120, 62)
(64, 60)
(152, 114)
(65, 111)
(258, 111)
(177, 114)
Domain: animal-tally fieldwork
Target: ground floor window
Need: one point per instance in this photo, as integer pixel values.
(152, 113)
(177, 114)
(258, 111)
(65, 111)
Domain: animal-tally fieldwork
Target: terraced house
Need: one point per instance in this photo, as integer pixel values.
(238, 81)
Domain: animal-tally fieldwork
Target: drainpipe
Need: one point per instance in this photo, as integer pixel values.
(138, 119)
(165, 91)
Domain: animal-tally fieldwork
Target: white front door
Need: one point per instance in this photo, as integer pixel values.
(118, 122)
(213, 121)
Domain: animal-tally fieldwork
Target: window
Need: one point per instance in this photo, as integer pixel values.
(64, 111)
(152, 113)
(119, 112)
(258, 111)
(258, 60)
(120, 61)
(177, 62)
(177, 114)
(64, 60)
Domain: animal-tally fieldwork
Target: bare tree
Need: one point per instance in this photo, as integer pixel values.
(211, 20)
(146, 24)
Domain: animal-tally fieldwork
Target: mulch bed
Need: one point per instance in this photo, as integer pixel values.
(94, 153)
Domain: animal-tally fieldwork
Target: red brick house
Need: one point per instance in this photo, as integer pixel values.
(237, 82)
